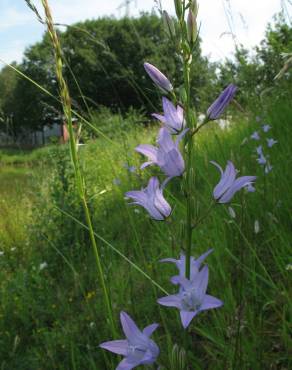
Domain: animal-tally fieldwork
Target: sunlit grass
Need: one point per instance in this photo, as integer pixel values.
(58, 309)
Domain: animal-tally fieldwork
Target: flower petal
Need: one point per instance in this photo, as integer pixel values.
(200, 283)
(170, 301)
(210, 302)
(187, 317)
(201, 259)
(180, 137)
(148, 150)
(126, 364)
(160, 117)
(171, 163)
(238, 184)
(173, 120)
(119, 347)
(226, 180)
(148, 330)
(218, 167)
(129, 327)
(146, 164)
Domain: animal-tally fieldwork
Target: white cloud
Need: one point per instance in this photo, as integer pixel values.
(12, 17)
(250, 18)
(13, 51)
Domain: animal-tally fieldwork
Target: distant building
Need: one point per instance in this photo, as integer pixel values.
(56, 132)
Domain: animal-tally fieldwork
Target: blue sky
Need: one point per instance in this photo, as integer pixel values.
(19, 27)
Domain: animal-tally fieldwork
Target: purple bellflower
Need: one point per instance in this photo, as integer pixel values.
(262, 159)
(173, 118)
(158, 77)
(271, 142)
(181, 265)
(255, 136)
(259, 150)
(131, 169)
(266, 128)
(167, 156)
(192, 298)
(151, 199)
(219, 105)
(138, 348)
(228, 184)
(250, 188)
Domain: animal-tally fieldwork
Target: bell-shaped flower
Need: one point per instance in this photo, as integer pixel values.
(259, 150)
(181, 265)
(173, 118)
(255, 136)
(192, 298)
(167, 155)
(266, 128)
(228, 184)
(250, 188)
(271, 142)
(158, 77)
(261, 159)
(223, 100)
(151, 198)
(137, 348)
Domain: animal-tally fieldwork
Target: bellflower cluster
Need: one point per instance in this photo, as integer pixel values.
(178, 121)
(166, 155)
(263, 158)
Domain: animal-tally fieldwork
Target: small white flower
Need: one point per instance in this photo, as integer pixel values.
(1, 253)
(256, 227)
(43, 266)
(12, 249)
(289, 267)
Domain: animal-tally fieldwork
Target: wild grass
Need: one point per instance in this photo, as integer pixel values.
(53, 317)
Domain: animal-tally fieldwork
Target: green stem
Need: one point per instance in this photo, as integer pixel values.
(66, 103)
(189, 178)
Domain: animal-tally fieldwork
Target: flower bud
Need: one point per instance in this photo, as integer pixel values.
(194, 7)
(168, 24)
(192, 26)
(158, 77)
(219, 105)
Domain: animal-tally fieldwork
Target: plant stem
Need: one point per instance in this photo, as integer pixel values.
(189, 177)
(66, 104)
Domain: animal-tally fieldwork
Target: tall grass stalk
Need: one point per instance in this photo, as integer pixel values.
(80, 183)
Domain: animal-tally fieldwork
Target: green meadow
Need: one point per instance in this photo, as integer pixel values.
(51, 308)
(76, 253)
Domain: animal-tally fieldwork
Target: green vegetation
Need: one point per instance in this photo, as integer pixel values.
(52, 315)
(51, 308)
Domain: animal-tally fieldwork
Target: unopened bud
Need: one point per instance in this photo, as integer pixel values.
(192, 27)
(158, 77)
(194, 7)
(178, 8)
(168, 24)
